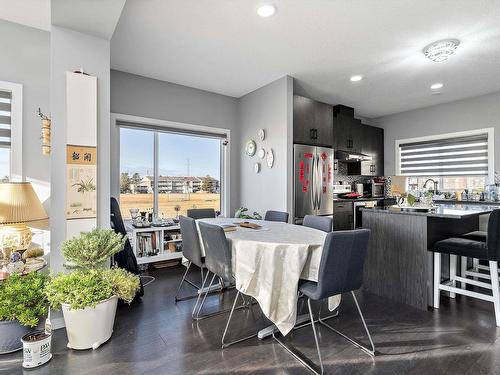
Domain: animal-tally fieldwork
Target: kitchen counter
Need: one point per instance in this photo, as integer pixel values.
(454, 201)
(399, 262)
(448, 211)
(358, 199)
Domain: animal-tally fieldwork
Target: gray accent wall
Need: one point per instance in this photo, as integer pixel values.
(25, 59)
(468, 114)
(140, 96)
(268, 108)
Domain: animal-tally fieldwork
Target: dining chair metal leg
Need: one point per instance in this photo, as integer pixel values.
(226, 344)
(360, 346)
(299, 356)
(199, 294)
(185, 280)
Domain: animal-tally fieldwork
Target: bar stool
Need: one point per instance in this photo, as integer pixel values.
(487, 251)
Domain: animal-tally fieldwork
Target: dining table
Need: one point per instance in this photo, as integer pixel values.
(269, 262)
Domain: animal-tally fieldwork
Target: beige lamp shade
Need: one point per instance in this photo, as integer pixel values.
(19, 203)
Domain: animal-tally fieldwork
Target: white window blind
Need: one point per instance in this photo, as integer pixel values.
(454, 156)
(5, 118)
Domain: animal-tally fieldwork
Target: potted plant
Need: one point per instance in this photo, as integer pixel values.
(22, 303)
(88, 295)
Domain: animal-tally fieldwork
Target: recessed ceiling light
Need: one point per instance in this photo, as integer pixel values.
(441, 50)
(267, 10)
(356, 78)
(437, 86)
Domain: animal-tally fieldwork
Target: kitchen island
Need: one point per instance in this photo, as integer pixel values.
(398, 265)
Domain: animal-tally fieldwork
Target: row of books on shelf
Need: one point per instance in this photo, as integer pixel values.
(149, 244)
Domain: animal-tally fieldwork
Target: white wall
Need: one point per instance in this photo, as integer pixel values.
(70, 51)
(140, 96)
(25, 59)
(268, 108)
(467, 114)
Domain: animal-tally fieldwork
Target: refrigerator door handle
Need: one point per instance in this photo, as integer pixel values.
(313, 183)
(320, 182)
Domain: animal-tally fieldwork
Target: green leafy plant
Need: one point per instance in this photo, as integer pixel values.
(22, 298)
(93, 249)
(241, 213)
(87, 288)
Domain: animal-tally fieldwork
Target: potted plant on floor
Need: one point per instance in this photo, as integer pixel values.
(22, 303)
(88, 294)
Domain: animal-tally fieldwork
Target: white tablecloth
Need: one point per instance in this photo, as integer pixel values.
(268, 263)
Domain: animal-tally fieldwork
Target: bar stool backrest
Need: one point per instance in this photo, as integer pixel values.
(342, 262)
(218, 255)
(191, 248)
(494, 235)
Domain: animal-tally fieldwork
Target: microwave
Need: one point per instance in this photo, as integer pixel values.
(374, 189)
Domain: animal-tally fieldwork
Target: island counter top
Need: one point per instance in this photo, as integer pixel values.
(447, 211)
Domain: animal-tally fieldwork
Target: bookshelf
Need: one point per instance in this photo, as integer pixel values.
(154, 244)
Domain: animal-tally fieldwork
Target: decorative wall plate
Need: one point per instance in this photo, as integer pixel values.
(270, 158)
(261, 153)
(256, 167)
(250, 148)
(262, 134)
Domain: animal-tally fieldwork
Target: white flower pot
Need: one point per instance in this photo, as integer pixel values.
(90, 327)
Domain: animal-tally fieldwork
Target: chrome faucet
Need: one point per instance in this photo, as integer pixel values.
(434, 185)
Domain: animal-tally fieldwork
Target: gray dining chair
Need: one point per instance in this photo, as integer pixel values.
(201, 213)
(218, 260)
(191, 250)
(276, 216)
(323, 223)
(340, 271)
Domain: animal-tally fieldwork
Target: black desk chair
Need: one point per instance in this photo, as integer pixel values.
(340, 271)
(323, 223)
(488, 250)
(276, 216)
(201, 213)
(218, 260)
(191, 250)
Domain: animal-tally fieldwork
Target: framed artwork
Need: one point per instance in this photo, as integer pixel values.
(81, 185)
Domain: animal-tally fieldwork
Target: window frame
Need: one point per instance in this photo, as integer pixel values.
(156, 125)
(16, 129)
(491, 147)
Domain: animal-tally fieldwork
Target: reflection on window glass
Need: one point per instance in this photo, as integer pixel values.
(136, 170)
(4, 164)
(448, 184)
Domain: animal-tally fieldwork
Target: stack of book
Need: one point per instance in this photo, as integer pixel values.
(147, 244)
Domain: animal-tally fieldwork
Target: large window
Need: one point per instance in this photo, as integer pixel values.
(5, 134)
(168, 172)
(456, 161)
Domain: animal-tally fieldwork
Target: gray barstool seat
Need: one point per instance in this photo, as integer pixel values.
(477, 235)
(201, 213)
(276, 216)
(323, 223)
(340, 271)
(488, 250)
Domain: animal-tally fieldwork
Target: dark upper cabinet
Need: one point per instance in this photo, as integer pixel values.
(373, 145)
(347, 133)
(312, 122)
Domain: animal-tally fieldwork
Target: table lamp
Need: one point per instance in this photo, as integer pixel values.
(19, 205)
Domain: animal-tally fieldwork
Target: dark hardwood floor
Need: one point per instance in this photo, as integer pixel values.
(157, 336)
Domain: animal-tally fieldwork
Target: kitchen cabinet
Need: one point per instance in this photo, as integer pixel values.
(373, 145)
(347, 133)
(343, 218)
(312, 122)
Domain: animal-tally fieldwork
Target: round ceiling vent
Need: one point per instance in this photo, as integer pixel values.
(441, 50)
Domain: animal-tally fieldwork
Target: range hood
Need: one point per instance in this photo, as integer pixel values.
(347, 156)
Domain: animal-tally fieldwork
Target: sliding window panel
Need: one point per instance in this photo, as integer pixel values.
(136, 170)
(189, 173)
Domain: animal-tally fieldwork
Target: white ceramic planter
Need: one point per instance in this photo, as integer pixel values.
(90, 327)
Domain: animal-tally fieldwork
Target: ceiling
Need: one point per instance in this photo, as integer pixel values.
(224, 47)
(32, 13)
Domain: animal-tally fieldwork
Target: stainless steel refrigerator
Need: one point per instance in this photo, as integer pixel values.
(313, 181)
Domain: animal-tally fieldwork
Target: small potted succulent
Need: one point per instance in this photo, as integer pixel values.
(22, 303)
(88, 294)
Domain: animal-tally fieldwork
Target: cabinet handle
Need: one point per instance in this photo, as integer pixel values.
(315, 133)
(311, 133)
